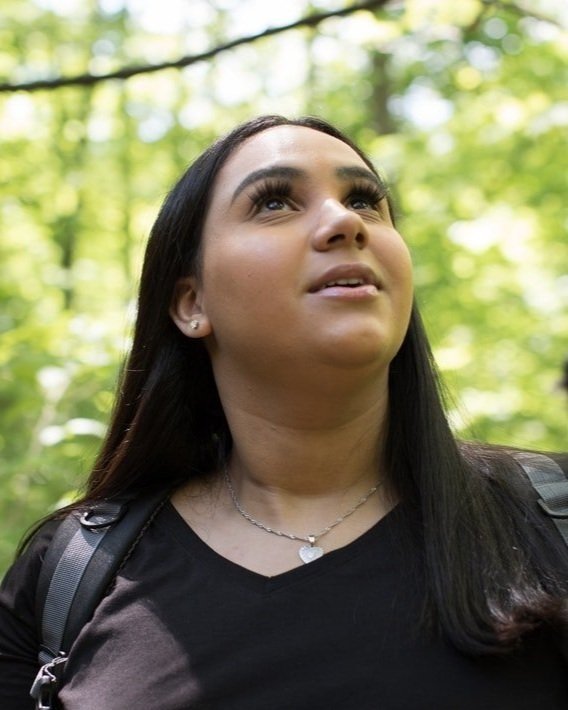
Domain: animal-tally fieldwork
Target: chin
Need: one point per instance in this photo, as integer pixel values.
(361, 350)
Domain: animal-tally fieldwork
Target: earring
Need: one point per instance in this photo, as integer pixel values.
(194, 324)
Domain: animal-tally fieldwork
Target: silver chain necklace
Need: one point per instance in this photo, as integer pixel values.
(307, 553)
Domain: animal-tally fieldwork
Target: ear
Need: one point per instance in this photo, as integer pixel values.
(186, 310)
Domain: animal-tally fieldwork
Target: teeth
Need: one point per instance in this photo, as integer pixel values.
(344, 282)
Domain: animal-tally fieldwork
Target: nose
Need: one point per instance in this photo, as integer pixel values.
(338, 226)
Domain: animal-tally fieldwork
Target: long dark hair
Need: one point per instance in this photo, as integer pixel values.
(493, 571)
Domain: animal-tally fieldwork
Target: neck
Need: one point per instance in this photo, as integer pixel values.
(306, 460)
(306, 455)
(304, 463)
(308, 441)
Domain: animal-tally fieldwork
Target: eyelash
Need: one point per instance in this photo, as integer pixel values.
(282, 190)
(372, 194)
(270, 190)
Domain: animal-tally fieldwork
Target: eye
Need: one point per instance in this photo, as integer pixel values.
(366, 197)
(273, 203)
(361, 203)
(271, 196)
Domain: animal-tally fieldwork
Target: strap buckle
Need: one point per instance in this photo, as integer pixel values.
(46, 683)
(102, 515)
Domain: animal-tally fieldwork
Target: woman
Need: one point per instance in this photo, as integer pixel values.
(327, 543)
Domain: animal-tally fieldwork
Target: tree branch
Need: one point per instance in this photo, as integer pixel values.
(127, 72)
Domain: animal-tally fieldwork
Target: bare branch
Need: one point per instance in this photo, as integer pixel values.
(127, 72)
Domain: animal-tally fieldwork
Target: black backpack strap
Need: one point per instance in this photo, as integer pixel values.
(84, 556)
(551, 484)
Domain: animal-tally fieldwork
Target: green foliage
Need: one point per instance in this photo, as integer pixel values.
(461, 104)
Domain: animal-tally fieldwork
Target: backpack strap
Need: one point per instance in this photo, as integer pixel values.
(85, 554)
(551, 484)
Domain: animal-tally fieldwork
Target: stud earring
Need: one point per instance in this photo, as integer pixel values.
(194, 324)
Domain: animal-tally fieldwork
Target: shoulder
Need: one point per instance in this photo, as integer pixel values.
(543, 468)
(534, 483)
(493, 459)
(19, 584)
(561, 459)
(18, 621)
(19, 638)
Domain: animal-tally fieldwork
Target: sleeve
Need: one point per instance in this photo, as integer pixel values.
(18, 633)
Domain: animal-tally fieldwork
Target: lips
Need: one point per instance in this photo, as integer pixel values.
(346, 276)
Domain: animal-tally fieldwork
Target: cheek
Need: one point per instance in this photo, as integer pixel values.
(243, 269)
(398, 270)
(396, 257)
(406, 282)
(406, 269)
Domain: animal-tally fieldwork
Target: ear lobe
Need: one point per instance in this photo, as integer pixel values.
(186, 310)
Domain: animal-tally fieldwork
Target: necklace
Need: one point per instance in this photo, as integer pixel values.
(307, 553)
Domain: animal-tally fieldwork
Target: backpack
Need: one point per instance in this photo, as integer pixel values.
(90, 547)
(82, 560)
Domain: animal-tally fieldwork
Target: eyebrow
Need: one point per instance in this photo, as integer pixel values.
(354, 171)
(289, 172)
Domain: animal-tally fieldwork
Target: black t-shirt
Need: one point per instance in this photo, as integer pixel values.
(185, 628)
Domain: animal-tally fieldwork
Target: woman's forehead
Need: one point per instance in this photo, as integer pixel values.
(295, 145)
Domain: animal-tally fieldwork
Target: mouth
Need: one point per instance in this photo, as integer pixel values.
(349, 283)
(346, 276)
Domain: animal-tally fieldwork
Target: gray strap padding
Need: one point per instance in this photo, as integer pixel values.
(80, 564)
(63, 587)
(551, 484)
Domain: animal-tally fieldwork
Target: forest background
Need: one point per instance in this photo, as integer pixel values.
(462, 105)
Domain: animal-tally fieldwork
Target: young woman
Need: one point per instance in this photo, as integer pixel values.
(327, 543)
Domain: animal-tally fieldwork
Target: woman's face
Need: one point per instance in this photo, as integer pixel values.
(300, 261)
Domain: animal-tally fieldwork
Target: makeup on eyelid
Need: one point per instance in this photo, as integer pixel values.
(283, 190)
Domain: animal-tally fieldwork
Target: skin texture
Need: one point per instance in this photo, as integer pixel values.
(301, 366)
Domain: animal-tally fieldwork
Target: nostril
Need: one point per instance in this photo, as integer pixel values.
(339, 226)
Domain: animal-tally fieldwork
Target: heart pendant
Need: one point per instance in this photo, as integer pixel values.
(308, 553)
